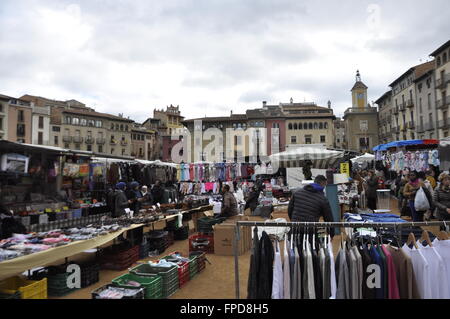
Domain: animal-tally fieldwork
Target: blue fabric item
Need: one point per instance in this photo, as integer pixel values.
(121, 185)
(134, 184)
(317, 187)
(379, 292)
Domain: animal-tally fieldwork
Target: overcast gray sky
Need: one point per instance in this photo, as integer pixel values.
(212, 56)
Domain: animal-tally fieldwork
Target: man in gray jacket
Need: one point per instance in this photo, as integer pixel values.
(229, 205)
(120, 200)
(309, 204)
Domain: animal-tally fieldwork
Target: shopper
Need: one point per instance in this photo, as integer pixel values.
(252, 200)
(158, 192)
(147, 198)
(410, 192)
(431, 179)
(229, 204)
(309, 203)
(441, 197)
(135, 196)
(372, 186)
(120, 200)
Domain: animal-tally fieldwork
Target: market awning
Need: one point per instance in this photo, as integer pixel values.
(384, 147)
(363, 158)
(320, 157)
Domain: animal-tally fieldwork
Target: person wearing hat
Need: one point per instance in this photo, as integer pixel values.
(120, 200)
(135, 197)
(147, 198)
(441, 197)
(309, 203)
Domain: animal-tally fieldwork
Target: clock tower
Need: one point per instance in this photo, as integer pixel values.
(359, 93)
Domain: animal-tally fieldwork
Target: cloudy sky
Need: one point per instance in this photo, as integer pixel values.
(211, 56)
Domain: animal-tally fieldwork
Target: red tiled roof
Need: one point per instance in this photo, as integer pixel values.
(97, 114)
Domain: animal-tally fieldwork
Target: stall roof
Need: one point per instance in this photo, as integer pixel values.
(384, 147)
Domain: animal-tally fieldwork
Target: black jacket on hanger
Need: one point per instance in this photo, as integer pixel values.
(252, 286)
(265, 273)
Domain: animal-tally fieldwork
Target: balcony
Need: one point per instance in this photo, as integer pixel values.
(123, 143)
(77, 139)
(67, 139)
(402, 106)
(429, 126)
(444, 124)
(396, 109)
(420, 128)
(101, 140)
(443, 104)
(409, 103)
(441, 83)
(89, 140)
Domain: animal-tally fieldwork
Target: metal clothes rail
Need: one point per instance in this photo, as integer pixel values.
(315, 225)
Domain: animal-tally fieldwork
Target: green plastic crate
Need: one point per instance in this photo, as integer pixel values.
(153, 285)
(169, 276)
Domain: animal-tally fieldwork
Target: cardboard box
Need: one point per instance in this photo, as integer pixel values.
(224, 235)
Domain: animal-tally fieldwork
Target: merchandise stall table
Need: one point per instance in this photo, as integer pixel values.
(12, 267)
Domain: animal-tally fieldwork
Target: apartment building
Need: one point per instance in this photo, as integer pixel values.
(404, 101)
(340, 140)
(442, 88)
(426, 126)
(143, 143)
(15, 119)
(385, 112)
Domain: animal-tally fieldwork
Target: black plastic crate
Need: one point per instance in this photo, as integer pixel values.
(138, 294)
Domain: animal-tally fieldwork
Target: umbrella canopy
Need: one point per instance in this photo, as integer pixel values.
(363, 158)
(320, 157)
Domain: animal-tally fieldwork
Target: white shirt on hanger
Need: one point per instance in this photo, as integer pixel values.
(286, 271)
(443, 249)
(421, 271)
(438, 271)
(277, 282)
(333, 271)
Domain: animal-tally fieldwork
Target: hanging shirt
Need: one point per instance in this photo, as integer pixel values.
(421, 271)
(332, 270)
(374, 254)
(286, 271)
(393, 292)
(404, 273)
(291, 253)
(367, 292)
(342, 276)
(359, 269)
(297, 279)
(438, 271)
(353, 271)
(310, 277)
(443, 249)
(278, 279)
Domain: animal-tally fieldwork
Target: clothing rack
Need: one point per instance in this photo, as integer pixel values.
(315, 225)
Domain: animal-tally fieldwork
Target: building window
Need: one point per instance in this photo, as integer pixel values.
(438, 61)
(89, 147)
(290, 126)
(56, 129)
(320, 126)
(300, 126)
(91, 123)
(112, 151)
(41, 122)
(20, 116)
(117, 127)
(444, 57)
(21, 130)
(295, 126)
(112, 126)
(75, 121)
(56, 137)
(310, 126)
(123, 151)
(308, 139)
(1, 108)
(293, 139)
(67, 120)
(121, 127)
(322, 138)
(40, 138)
(77, 146)
(100, 148)
(1, 123)
(98, 123)
(66, 145)
(83, 122)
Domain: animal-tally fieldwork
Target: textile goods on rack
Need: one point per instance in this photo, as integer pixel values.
(215, 172)
(364, 268)
(412, 160)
